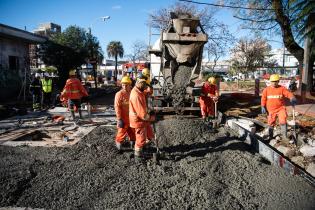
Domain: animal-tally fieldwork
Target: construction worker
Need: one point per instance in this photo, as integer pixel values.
(35, 89)
(272, 101)
(73, 92)
(146, 72)
(122, 114)
(148, 94)
(139, 116)
(209, 96)
(46, 91)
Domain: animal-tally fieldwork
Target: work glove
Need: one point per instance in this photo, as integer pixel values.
(120, 123)
(152, 118)
(293, 101)
(263, 110)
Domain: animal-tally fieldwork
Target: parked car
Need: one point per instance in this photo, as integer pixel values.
(227, 78)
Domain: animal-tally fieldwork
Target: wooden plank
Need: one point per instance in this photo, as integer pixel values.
(11, 136)
(172, 109)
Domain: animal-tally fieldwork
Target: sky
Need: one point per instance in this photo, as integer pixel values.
(127, 23)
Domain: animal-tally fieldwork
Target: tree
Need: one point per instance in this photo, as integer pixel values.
(218, 33)
(216, 48)
(68, 50)
(139, 51)
(249, 54)
(115, 49)
(288, 17)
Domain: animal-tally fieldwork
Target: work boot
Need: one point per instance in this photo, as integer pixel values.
(80, 113)
(284, 133)
(139, 158)
(270, 132)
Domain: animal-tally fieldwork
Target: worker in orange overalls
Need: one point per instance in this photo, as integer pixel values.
(73, 92)
(209, 95)
(148, 93)
(139, 116)
(273, 98)
(122, 114)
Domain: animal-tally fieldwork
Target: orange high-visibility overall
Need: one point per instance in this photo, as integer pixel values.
(139, 118)
(72, 93)
(121, 105)
(73, 89)
(273, 99)
(205, 101)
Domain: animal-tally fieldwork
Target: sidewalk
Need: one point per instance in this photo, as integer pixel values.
(304, 109)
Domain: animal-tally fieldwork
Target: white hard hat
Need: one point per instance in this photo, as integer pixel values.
(37, 75)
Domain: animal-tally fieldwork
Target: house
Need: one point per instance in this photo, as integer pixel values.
(14, 59)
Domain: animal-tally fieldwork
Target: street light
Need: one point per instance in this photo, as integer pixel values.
(104, 18)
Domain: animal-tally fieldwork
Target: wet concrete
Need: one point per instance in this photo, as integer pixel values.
(201, 170)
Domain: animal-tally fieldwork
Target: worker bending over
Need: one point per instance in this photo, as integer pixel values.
(139, 116)
(273, 99)
(73, 92)
(122, 114)
(209, 96)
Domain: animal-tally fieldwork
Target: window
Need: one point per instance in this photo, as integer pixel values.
(13, 63)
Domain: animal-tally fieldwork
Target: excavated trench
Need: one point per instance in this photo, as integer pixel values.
(201, 170)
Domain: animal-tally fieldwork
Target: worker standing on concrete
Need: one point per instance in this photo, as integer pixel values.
(139, 116)
(35, 89)
(46, 91)
(122, 114)
(209, 96)
(272, 100)
(73, 92)
(148, 94)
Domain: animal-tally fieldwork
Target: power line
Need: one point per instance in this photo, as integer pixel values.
(226, 6)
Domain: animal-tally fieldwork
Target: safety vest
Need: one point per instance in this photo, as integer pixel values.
(74, 89)
(47, 85)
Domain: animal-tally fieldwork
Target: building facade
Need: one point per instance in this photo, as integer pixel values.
(14, 59)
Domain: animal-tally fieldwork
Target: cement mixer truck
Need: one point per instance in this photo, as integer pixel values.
(180, 53)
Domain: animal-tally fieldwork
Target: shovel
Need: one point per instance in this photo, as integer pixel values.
(157, 154)
(215, 122)
(293, 124)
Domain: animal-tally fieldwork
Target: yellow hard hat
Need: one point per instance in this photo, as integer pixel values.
(141, 78)
(274, 78)
(126, 80)
(146, 72)
(211, 80)
(72, 72)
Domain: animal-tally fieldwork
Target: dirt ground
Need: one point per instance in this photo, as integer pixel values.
(200, 170)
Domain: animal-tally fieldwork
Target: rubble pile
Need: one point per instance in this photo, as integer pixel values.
(201, 169)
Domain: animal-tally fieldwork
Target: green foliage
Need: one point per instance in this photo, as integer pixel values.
(70, 49)
(302, 10)
(115, 49)
(206, 75)
(49, 69)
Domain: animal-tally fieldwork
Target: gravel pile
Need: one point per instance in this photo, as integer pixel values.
(201, 170)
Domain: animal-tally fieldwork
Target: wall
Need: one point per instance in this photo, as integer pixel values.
(10, 80)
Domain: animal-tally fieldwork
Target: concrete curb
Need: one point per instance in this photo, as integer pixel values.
(269, 153)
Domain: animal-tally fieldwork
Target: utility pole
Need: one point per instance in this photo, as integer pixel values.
(92, 61)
